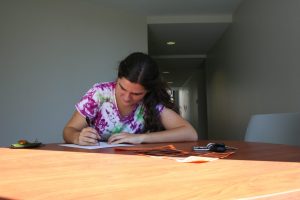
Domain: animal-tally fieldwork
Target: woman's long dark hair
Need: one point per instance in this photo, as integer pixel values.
(142, 69)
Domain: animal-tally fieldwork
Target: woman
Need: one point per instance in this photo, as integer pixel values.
(137, 102)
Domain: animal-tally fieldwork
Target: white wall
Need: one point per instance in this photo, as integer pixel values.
(254, 68)
(51, 52)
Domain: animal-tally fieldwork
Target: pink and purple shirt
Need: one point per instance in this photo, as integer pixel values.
(99, 104)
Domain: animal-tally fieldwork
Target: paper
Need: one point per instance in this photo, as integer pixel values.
(196, 159)
(101, 145)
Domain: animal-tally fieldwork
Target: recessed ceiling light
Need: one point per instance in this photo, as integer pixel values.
(171, 43)
(166, 72)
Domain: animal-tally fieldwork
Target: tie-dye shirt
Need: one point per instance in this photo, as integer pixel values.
(99, 104)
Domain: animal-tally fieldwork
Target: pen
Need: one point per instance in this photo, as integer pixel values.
(90, 124)
(88, 121)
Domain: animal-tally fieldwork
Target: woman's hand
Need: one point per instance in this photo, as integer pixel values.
(126, 138)
(88, 136)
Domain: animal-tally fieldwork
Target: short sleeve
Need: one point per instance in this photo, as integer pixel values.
(88, 104)
(159, 108)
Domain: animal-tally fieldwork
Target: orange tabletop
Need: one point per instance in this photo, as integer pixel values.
(254, 171)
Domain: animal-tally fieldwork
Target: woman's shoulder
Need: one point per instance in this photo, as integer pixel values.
(105, 86)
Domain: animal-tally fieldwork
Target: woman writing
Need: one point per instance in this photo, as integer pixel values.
(136, 108)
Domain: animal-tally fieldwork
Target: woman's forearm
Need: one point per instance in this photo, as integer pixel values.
(180, 134)
(71, 135)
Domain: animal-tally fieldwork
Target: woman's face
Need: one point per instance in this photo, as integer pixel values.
(128, 93)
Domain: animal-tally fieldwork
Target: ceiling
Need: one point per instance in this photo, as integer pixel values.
(195, 26)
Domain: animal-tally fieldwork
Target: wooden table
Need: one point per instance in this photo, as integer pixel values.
(255, 171)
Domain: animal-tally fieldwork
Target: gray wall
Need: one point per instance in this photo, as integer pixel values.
(255, 67)
(51, 52)
(192, 102)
